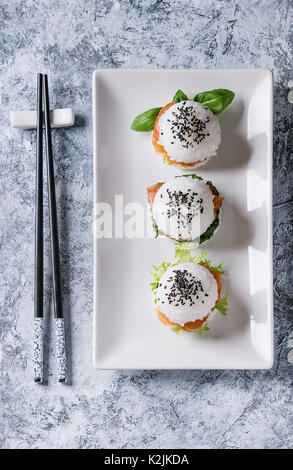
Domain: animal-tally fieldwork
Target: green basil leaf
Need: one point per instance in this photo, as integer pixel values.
(179, 96)
(217, 100)
(145, 122)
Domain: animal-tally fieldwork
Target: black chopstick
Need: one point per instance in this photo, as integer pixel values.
(39, 264)
(58, 310)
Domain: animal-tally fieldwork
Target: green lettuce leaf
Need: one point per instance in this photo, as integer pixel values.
(202, 259)
(183, 255)
(203, 327)
(222, 304)
(156, 275)
(176, 329)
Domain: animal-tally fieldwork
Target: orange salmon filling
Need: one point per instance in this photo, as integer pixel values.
(160, 148)
(192, 325)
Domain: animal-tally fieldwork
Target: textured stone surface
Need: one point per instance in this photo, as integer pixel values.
(68, 40)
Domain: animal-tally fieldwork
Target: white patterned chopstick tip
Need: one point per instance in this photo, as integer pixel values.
(61, 352)
(38, 350)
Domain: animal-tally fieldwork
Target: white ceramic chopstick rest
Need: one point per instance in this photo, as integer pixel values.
(38, 349)
(61, 353)
(28, 119)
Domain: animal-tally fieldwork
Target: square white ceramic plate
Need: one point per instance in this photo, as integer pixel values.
(127, 334)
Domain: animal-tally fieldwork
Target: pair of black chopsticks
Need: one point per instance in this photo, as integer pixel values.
(43, 99)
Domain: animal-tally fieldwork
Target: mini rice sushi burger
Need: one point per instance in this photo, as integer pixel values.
(185, 208)
(187, 134)
(188, 293)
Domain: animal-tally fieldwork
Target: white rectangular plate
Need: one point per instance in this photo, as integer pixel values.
(127, 334)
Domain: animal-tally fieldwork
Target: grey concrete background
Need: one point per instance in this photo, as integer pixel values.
(189, 409)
